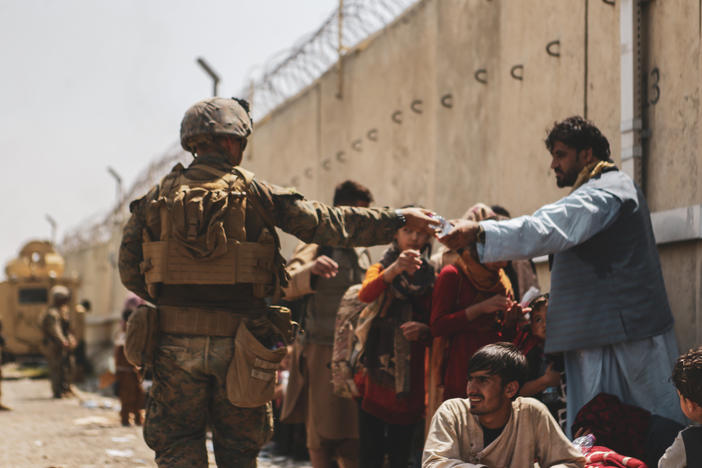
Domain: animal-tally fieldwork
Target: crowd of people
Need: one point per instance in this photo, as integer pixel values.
(411, 360)
(436, 330)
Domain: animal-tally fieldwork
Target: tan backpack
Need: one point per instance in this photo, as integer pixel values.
(346, 349)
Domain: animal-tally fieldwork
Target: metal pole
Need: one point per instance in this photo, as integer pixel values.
(210, 71)
(586, 57)
(53, 224)
(340, 50)
(118, 180)
(252, 90)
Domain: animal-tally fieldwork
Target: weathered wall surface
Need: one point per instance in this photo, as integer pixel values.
(416, 125)
(96, 265)
(673, 164)
(431, 114)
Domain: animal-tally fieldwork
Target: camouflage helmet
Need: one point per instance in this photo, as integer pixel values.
(215, 116)
(59, 292)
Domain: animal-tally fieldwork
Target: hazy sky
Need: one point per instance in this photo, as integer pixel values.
(91, 83)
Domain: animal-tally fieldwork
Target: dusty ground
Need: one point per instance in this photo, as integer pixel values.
(74, 433)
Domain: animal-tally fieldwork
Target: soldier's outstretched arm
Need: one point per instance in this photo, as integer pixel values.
(131, 255)
(312, 221)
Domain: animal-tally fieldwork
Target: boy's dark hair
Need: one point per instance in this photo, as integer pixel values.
(350, 192)
(687, 375)
(539, 301)
(580, 134)
(502, 359)
(86, 304)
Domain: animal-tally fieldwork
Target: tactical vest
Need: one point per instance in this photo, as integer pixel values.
(196, 234)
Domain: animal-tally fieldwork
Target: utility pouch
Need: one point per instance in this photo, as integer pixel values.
(281, 317)
(142, 336)
(251, 376)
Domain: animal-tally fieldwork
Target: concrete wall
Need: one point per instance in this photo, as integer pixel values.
(416, 126)
(96, 266)
(486, 143)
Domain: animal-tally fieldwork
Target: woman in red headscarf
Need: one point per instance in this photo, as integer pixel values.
(472, 306)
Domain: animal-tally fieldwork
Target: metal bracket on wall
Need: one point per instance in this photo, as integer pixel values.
(609, 2)
(447, 100)
(326, 164)
(372, 134)
(678, 224)
(514, 71)
(481, 76)
(397, 117)
(356, 145)
(416, 106)
(340, 157)
(554, 45)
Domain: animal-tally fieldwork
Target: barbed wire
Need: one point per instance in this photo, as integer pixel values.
(283, 76)
(98, 228)
(290, 71)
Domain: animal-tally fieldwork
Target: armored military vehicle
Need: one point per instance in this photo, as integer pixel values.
(24, 298)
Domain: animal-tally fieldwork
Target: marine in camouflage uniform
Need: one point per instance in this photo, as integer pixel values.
(58, 341)
(190, 365)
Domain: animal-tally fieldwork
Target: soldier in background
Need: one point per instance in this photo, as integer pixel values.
(2, 344)
(58, 340)
(216, 223)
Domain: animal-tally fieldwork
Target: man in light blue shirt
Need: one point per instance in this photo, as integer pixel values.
(608, 310)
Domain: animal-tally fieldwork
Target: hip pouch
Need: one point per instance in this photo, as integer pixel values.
(251, 376)
(142, 336)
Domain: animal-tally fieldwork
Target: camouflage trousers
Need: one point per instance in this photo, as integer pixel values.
(188, 395)
(60, 369)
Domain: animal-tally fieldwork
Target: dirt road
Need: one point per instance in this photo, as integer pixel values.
(80, 432)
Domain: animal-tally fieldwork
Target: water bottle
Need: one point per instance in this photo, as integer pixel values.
(444, 226)
(584, 443)
(550, 396)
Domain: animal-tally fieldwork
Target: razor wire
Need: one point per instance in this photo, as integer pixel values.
(99, 228)
(283, 76)
(290, 71)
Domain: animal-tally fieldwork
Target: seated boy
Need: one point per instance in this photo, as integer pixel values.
(493, 427)
(686, 450)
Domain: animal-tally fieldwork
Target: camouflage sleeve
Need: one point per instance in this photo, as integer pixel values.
(315, 222)
(130, 252)
(52, 328)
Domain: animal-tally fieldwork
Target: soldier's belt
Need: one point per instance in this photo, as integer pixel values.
(244, 262)
(200, 321)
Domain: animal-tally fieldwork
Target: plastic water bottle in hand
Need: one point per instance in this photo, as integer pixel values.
(444, 226)
(584, 443)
